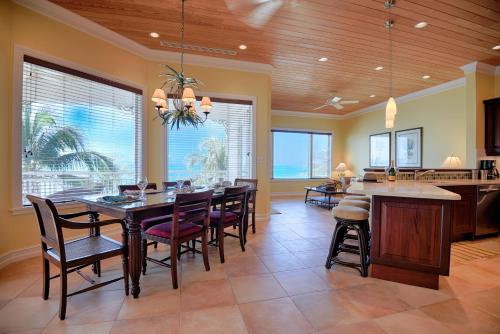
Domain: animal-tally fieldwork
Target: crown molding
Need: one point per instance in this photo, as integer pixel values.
(87, 26)
(479, 68)
(410, 97)
(301, 114)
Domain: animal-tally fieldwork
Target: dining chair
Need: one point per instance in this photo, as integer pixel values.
(189, 222)
(173, 184)
(76, 254)
(231, 212)
(134, 187)
(252, 183)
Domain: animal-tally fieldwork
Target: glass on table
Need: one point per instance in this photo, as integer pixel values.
(142, 184)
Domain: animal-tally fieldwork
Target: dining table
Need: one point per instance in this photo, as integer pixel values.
(154, 204)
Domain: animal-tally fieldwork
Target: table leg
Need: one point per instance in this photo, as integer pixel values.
(307, 193)
(135, 255)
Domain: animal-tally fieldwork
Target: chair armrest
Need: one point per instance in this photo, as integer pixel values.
(84, 225)
(94, 215)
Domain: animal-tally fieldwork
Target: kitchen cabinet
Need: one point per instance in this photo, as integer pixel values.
(492, 126)
(463, 212)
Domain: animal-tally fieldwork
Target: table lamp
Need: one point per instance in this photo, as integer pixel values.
(452, 162)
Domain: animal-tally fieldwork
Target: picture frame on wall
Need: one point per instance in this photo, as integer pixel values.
(380, 150)
(409, 148)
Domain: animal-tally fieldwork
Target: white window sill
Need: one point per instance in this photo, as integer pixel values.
(25, 210)
(299, 180)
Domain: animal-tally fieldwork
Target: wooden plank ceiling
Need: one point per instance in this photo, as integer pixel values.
(350, 34)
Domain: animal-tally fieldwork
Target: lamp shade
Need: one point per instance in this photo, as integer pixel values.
(158, 96)
(389, 123)
(206, 103)
(188, 95)
(452, 162)
(163, 106)
(391, 108)
(341, 167)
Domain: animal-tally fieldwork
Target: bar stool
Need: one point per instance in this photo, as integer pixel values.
(350, 218)
(356, 203)
(358, 198)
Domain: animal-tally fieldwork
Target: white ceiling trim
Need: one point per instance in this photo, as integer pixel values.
(277, 112)
(78, 22)
(480, 68)
(410, 97)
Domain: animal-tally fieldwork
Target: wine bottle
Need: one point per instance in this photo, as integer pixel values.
(391, 175)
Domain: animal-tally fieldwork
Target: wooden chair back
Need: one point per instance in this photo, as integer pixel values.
(191, 208)
(234, 200)
(173, 184)
(133, 187)
(252, 184)
(48, 222)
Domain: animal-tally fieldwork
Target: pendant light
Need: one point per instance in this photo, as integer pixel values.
(391, 108)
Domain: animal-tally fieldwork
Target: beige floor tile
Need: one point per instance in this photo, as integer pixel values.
(487, 301)
(296, 282)
(278, 316)
(313, 258)
(13, 285)
(491, 265)
(63, 328)
(326, 309)
(200, 295)
(153, 301)
(340, 276)
(281, 262)
(463, 318)
(27, 331)
(27, 313)
(217, 320)
(369, 327)
(411, 322)
(244, 265)
(165, 324)
(256, 287)
(480, 278)
(371, 303)
(299, 245)
(93, 307)
(268, 248)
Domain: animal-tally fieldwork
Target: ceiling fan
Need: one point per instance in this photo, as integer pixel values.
(256, 13)
(336, 101)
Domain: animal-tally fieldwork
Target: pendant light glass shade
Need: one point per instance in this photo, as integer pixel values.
(159, 96)
(391, 107)
(206, 103)
(188, 95)
(389, 124)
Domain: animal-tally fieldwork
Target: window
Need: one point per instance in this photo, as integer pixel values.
(220, 148)
(81, 134)
(301, 154)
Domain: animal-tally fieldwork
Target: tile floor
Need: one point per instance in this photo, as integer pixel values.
(279, 285)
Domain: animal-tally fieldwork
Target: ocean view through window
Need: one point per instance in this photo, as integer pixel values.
(301, 154)
(81, 134)
(222, 147)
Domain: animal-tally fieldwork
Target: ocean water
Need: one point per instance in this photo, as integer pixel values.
(290, 172)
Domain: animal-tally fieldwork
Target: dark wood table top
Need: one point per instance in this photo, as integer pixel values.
(324, 190)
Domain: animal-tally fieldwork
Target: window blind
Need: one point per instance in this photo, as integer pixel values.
(301, 154)
(220, 148)
(81, 134)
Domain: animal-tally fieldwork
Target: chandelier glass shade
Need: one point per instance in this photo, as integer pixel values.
(180, 89)
(391, 108)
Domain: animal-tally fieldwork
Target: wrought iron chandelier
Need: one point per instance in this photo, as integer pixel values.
(180, 89)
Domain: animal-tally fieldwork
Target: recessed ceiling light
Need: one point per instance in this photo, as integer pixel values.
(496, 47)
(425, 77)
(242, 47)
(323, 59)
(154, 34)
(379, 68)
(421, 25)
(373, 95)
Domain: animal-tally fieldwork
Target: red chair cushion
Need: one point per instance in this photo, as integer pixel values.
(228, 216)
(164, 230)
(150, 222)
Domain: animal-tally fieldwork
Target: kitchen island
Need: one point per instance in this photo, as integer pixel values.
(411, 231)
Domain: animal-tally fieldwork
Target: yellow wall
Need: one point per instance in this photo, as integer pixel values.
(20, 26)
(302, 123)
(442, 116)
(497, 84)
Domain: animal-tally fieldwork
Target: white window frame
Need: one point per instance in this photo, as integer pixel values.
(253, 169)
(271, 150)
(17, 95)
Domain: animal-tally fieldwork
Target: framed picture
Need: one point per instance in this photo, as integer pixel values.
(380, 149)
(409, 148)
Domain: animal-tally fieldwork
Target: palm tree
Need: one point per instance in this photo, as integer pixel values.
(214, 158)
(51, 147)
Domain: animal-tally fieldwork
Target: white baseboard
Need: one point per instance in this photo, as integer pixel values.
(19, 255)
(287, 194)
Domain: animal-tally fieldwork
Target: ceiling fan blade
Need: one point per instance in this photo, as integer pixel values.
(349, 102)
(338, 106)
(336, 99)
(236, 5)
(318, 108)
(263, 13)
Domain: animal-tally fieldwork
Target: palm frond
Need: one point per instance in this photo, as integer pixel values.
(91, 160)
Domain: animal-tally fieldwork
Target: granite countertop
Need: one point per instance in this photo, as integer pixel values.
(412, 189)
(467, 182)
